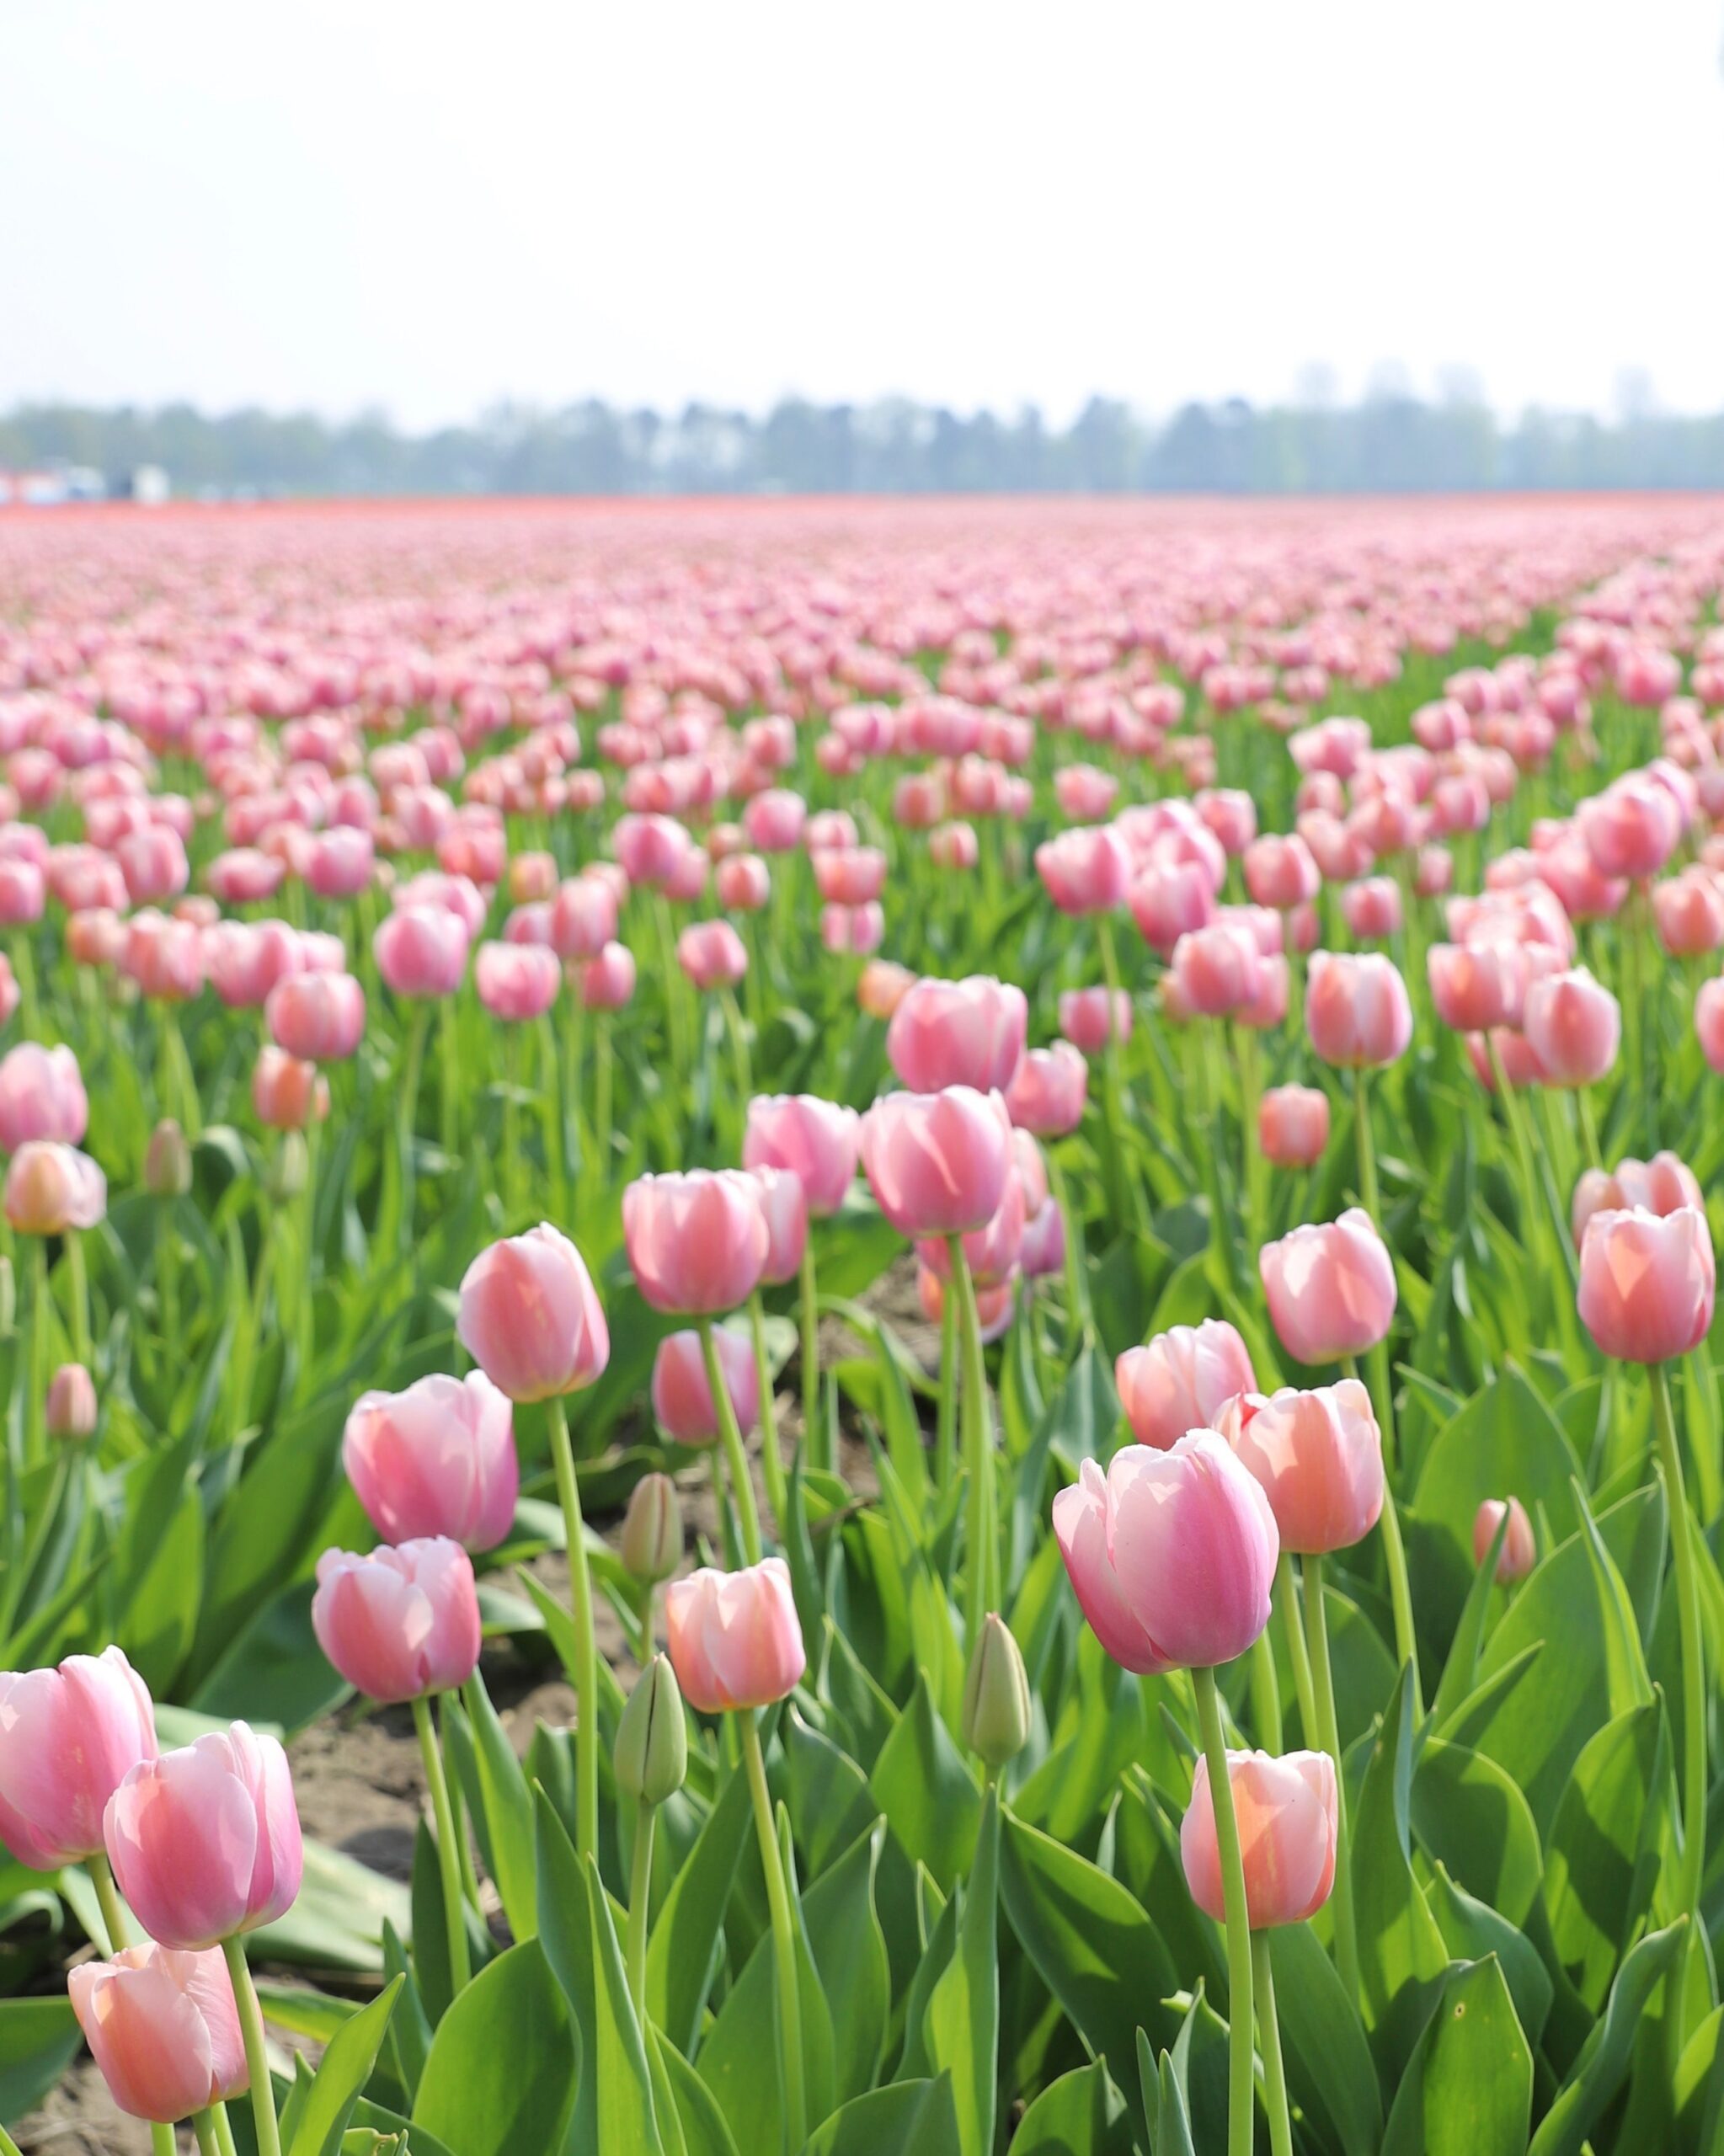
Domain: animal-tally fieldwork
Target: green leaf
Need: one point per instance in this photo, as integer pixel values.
(1081, 2113)
(830, 1803)
(1461, 1667)
(924, 1785)
(337, 1921)
(1597, 2074)
(1473, 1929)
(1329, 2067)
(500, 2077)
(1402, 1958)
(1469, 2089)
(849, 1952)
(687, 1928)
(1605, 1846)
(275, 1670)
(704, 2130)
(910, 2118)
(1467, 1812)
(508, 1811)
(345, 2068)
(963, 2014)
(628, 2125)
(38, 2039)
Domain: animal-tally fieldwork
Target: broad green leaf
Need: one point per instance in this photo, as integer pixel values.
(1582, 2100)
(501, 2074)
(1466, 1811)
(508, 1809)
(1603, 1861)
(849, 1952)
(1473, 1929)
(1469, 2089)
(1081, 2113)
(628, 2125)
(1329, 2068)
(910, 2118)
(925, 1786)
(1402, 1958)
(687, 1927)
(963, 2014)
(703, 2124)
(830, 1801)
(341, 2077)
(38, 2038)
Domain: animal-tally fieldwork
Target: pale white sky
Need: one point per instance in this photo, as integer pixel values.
(428, 207)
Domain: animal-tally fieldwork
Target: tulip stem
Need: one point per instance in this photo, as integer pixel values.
(1589, 1127)
(586, 1660)
(448, 1857)
(36, 1402)
(1124, 1181)
(1078, 1321)
(1268, 2024)
(163, 2140)
(981, 1532)
(1693, 1676)
(447, 1068)
(224, 2131)
(257, 2050)
(1323, 1682)
(406, 1110)
(1245, 1043)
(946, 1428)
(784, 1956)
(738, 1053)
(1242, 2097)
(725, 1409)
(772, 1466)
(640, 1886)
(1407, 1650)
(604, 1058)
(1297, 1652)
(815, 1434)
(108, 1900)
(1265, 1692)
(203, 2127)
(79, 1297)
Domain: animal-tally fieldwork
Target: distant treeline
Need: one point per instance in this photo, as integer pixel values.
(1388, 443)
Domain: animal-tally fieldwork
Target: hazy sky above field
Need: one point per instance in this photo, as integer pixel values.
(427, 208)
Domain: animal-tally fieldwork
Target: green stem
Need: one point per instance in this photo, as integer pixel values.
(945, 1427)
(1079, 1323)
(224, 2131)
(1287, 1592)
(1268, 2023)
(1209, 1035)
(448, 1858)
(108, 1900)
(407, 1110)
(257, 2053)
(784, 1956)
(1241, 2093)
(36, 1404)
(1265, 1692)
(1588, 1126)
(1323, 1682)
(1245, 1043)
(981, 1553)
(203, 2127)
(447, 1069)
(586, 1660)
(511, 1120)
(1556, 1226)
(816, 1437)
(640, 1887)
(739, 1057)
(1407, 1650)
(772, 1466)
(604, 1058)
(551, 1108)
(163, 2142)
(1694, 1674)
(80, 1300)
(1125, 1182)
(731, 1436)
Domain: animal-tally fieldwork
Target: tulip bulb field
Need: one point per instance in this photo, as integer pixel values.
(956, 1261)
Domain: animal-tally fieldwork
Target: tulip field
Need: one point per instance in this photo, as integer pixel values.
(1023, 1194)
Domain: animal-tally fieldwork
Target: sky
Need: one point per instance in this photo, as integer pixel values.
(427, 209)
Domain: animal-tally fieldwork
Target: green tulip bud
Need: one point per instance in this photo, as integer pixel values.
(290, 1168)
(651, 1542)
(167, 1161)
(652, 1738)
(996, 1696)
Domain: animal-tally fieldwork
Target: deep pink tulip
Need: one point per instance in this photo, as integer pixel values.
(734, 1638)
(1087, 1016)
(712, 954)
(531, 1318)
(1292, 1126)
(164, 2029)
(1572, 1024)
(68, 1737)
(817, 1141)
(52, 1188)
(1180, 1380)
(401, 1622)
(421, 951)
(1288, 1813)
(682, 1400)
(938, 1162)
(1520, 1550)
(1049, 1089)
(698, 1242)
(319, 1017)
(1356, 1009)
(517, 982)
(438, 1458)
(1319, 1456)
(1171, 1553)
(205, 1841)
(1330, 1289)
(1086, 870)
(41, 1096)
(958, 1032)
(1646, 1283)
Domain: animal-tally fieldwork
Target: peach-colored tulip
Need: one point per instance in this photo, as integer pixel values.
(817, 1141)
(529, 1316)
(286, 1092)
(401, 1622)
(41, 1096)
(164, 2028)
(438, 1458)
(68, 1737)
(1048, 1090)
(734, 1638)
(1573, 1023)
(1089, 1017)
(1656, 1186)
(882, 986)
(1519, 1552)
(1288, 1813)
(958, 1032)
(1356, 1009)
(1319, 1456)
(51, 1189)
(1171, 1553)
(1330, 1289)
(1293, 1125)
(938, 1162)
(205, 1841)
(698, 1242)
(71, 1406)
(1181, 1379)
(682, 1400)
(1646, 1283)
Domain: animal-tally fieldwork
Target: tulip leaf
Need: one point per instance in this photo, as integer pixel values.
(849, 1952)
(38, 2039)
(1081, 2113)
(617, 2059)
(909, 2118)
(275, 1670)
(1597, 2074)
(830, 1801)
(687, 1928)
(963, 2013)
(501, 2074)
(1468, 2090)
(1461, 1668)
(684, 2103)
(1603, 1856)
(1402, 1956)
(341, 2077)
(1466, 1811)
(502, 1797)
(925, 1787)
(1329, 2068)
(1473, 1929)
(1163, 2103)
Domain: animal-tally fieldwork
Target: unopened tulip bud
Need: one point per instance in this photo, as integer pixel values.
(652, 1739)
(289, 1169)
(996, 1696)
(651, 1542)
(71, 1402)
(167, 1161)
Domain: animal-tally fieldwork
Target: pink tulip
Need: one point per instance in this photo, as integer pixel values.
(607, 981)
(1572, 1024)
(337, 863)
(1231, 815)
(784, 1209)
(1042, 1250)
(41, 1096)
(1709, 1022)
(68, 1737)
(400, 1623)
(1268, 1009)
(245, 959)
(71, 1406)
(1048, 1090)
(529, 1316)
(851, 932)
(817, 1141)
(1689, 909)
(993, 1305)
(954, 847)
(938, 1162)
(682, 1400)
(1181, 1379)
(1089, 1017)
(850, 875)
(517, 982)
(164, 957)
(1477, 987)
(744, 883)
(164, 2029)
(24, 893)
(1084, 794)
(991, 1251)
(421, 951)
(774, 820)
(712, 954)
(1632, 828)
(1086, 870)
(698, 1242)
(1646, 1284)
(583, 918)
(205, 1841)
(456, 894)
(436, 1459)
(1319, 1456)
(882, 986)
(287, 1093)
(734, 1638)
(1356, 1012)
(153, 863)
(1519, 1552)
(958, 1032)
(1292, 1126)
(532, 878)
(1217, 970)
(1330, 1289)
(1171, 1553)
(1371, 908)
(1170, 900)
(1280, 871)
(1288, 1812)
(319, 1017)
(1658, 1185)
(52, 1188)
